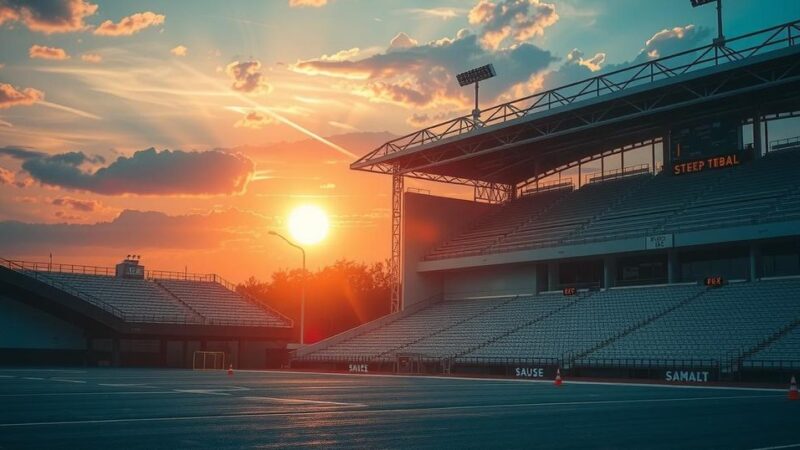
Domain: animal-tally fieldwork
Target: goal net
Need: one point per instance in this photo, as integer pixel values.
(203, 360)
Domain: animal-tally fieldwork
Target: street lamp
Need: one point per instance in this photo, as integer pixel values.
(303, 295)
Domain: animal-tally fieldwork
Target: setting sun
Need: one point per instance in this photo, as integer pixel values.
(308, 224)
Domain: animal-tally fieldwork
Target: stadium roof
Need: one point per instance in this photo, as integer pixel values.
(534, 135)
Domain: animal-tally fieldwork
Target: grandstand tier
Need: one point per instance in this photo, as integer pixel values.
(92, 315)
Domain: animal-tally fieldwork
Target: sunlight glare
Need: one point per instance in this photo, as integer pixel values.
(308, 224)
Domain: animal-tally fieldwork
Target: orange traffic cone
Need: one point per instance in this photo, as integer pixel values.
(230, 370)
(793, 389)
(558, 378)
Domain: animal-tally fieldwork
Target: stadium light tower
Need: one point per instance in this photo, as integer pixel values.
(303, 284)
(475, 76)
(720, 40)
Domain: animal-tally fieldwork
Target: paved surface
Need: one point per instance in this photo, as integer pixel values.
(138, 408)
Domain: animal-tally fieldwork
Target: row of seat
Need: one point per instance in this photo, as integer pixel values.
(170, 301)
(754, 192)
(660, 323)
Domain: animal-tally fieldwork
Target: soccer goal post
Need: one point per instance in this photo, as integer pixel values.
(204, 360)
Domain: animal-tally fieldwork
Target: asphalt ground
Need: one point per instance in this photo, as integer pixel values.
(154, 408)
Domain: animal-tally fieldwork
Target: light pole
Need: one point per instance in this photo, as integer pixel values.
(303, 283)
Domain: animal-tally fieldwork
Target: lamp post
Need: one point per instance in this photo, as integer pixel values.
(303, 283)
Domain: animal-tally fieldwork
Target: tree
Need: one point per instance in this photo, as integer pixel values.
(338, 297)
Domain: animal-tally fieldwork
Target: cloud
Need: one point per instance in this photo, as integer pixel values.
(593, 64)
(247, 77)
(327, 186)
(20, 153)
(6, 176)
(423, 76)
(674, 40)
(50, 16)
(519, 20)
(439, 13)
(425, 119)
(342, 55)
(11, 96)
(307, 3)
(402, 41)
(147, 172)
(91, 58)
(77, 204)
(43, 52)
(130, 25)
(179, 50)
(66, 216)
(138, 229)
(254, 120)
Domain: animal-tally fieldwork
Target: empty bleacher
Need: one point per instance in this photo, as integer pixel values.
(651, 325)
(754, 192)
(783, 352)
(588, 322)
(721, 324)
(492, 227)
(139, 300)
(407, 330)
(220, 305)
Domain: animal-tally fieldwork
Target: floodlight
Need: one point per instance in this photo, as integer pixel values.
(475, 76)
(720, 40)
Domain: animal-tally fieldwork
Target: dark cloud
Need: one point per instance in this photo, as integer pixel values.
(137, 229)
(247, 77)
(424, 75)
(20, 153)
(47, 16)
(77, 204)
(147, 172)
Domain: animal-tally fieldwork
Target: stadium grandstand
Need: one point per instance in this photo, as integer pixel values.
(640, 223)
(129, 316)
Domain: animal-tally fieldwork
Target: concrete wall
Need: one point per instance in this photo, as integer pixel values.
(427, 221)
(498, 280)
(24, 327)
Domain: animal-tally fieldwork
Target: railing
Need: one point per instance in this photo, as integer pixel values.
(179, 276)
(783, 144)
(39, 276)
(712, 55)
(617, 173)
(64, 268)
(550, 186)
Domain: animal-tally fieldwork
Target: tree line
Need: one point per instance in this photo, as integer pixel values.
(338, 297)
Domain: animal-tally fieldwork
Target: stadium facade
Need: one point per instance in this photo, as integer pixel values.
(129, 316)
(684, 267)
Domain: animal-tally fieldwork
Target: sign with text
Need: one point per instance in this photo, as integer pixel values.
(570, 291)
(659, 241)
(714, 281)
(690, 376)
(358, 368)
(711, 163)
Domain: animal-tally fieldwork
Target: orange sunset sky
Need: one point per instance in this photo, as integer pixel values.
(185, 131)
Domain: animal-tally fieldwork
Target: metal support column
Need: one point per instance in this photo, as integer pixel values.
(397, 225)
(757, 147)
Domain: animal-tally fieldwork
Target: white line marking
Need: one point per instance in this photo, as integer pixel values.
(64, 380)
(301, 401)
(201, 391)
(522, 380)
(46, 394)
(123, 384)
(7, 376)
(43, 370)
(778, 447)
(32, 378)
(372, 411)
